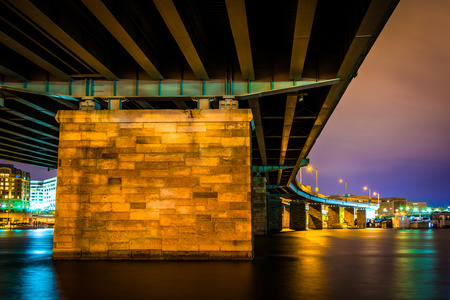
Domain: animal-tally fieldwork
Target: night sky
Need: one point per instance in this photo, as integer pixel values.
(390, 131)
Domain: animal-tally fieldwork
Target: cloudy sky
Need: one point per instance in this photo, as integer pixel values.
(391, 129)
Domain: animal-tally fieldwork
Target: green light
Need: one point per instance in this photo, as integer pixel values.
(402, 208)
(416, 209)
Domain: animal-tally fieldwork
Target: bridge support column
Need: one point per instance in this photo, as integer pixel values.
(298, 215)
(333, 216)
(349, 216)
(361, 218)
(259, 203)
(154, 184)
(275, 215)
(315, 216)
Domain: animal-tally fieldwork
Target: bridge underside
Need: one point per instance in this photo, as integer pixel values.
(287, 63)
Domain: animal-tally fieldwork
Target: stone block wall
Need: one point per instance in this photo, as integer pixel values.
(286, 215)
(361, 218)
(154, 184)
(259, 204)
(315, 216)
(333, 216)
(275, 215)
(349, 216)
(298, 215)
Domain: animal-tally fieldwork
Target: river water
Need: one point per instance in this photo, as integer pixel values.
(326, 264)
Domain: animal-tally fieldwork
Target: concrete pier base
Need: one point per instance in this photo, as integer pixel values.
(361, 218)
(333, 216)
(154, 184)
(349, 216)
(275, 215)
(315, 216)
(298, 215)
(259, 206)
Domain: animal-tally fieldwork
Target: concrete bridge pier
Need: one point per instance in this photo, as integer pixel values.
(349, 216)
(298, 215)
(315, 220)
(361, 218)
(275, 207)
(259, 206)
(333, 216)
(154, 184)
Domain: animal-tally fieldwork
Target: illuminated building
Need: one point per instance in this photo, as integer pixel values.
(14, 192)
(43, 194)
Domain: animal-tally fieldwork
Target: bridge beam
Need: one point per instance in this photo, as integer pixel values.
(239, 27)
(33, 57)
(37, 16)
(291, 102)
(303, 25)
(104, 15)
(169, 13)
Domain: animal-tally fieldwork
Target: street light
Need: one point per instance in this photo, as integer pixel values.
(370, 196)
(341, 181)
(377, 194)
(310, 168)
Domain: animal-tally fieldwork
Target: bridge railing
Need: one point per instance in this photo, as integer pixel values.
(306, 193)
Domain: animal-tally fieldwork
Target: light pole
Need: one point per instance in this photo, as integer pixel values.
(370, 196)
(341, 181)
(310, 168)
(378, 195)
(300, 171)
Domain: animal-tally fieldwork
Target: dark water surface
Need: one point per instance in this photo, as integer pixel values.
(327, 264)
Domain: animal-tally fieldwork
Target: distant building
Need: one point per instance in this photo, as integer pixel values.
(392, 206)
(413, 207)
(43, 194)
(14, 193)
(441, 219)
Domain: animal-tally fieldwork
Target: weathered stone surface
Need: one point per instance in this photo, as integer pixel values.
(349, 216)
(315, 216)
(333, 216)
(361, 218)
(297, 215)
(259, 206)
(154, 185)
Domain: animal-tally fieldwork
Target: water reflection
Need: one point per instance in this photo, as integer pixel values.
(327, 264)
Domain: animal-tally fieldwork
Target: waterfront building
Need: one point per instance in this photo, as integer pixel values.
(392, 206)
(43, 194)
(14, 193)
(415, 207)
(441, 219)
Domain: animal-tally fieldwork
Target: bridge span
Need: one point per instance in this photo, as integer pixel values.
(155, 112)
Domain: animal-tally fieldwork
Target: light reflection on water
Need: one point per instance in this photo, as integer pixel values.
(327, 264)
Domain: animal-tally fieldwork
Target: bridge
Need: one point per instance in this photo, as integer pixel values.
(148, 63)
